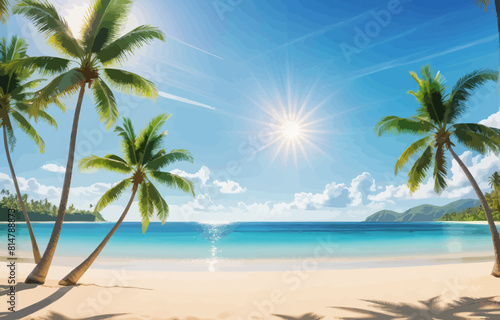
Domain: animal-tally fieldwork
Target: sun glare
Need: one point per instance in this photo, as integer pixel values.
(291, 130)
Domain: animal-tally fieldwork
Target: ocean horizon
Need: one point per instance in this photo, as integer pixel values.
(266, 240)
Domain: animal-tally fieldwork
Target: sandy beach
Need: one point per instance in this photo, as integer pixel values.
(426, 292)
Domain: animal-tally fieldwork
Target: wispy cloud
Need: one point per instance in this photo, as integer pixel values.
(194, 47)
(408, 59)
(313, 34)
(53, 168)
(184, 100)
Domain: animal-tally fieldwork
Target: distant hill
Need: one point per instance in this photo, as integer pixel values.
(422, 213)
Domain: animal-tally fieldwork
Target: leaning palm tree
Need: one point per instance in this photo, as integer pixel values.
(143, 159)
(494, 182)
(99, 47)
(436, 120)
(14, 105)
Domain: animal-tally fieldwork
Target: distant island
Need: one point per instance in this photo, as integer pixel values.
(427, 212)
(42, 210)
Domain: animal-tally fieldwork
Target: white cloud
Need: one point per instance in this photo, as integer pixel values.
(229, 187)
(492, 121)
(51, 167)
(201, 177)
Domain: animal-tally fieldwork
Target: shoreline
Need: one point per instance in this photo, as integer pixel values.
(216, 264)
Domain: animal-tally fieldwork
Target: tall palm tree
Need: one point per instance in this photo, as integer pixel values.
(436, 120)
(99, 47)
(4, 10)
(14, 105)
(494, 182)
(143, 159)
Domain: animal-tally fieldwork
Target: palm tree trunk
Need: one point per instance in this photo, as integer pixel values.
(34, 245)
(40, 271)
(487, 211)
(72, 278)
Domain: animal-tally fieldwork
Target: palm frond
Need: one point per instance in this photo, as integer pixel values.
(397, 125)
(128, 140)
(430, 95)
(166, 159)
(464, 88)
(16, 48)
(48, 22)
(174, 181)
(130, 83)
(61, 86)
(103, 22)
(28, 129)
(411, 151)
(161, 206)
(119, 50)
(20, 94)
(49, 66)
(4, 11)
(149, 137)
(146, 206)
(6, 123)
(105, 102)
(440, 170)
(109, 162)
(417, 173)
(25, 108)
(112, 194)
(482, 4)
(477, 137)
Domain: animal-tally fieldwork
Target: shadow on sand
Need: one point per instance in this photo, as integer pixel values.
(307, 316)
(19, 287)
(36, 306)
(434, 308)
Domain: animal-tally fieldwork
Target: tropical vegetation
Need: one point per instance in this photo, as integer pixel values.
(89, 61)
(143, 160)
(43, 210)
(15, 100)
(437, 121)
(474, 213)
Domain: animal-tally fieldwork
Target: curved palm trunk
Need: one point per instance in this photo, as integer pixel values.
(487, 211)
(73, 277)
(40, 271)
(34, 245)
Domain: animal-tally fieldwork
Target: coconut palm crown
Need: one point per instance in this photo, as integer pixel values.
(143, 160)
(436, 120)
(90, 57)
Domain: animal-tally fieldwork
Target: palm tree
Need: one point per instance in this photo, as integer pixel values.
(494, 183)
(4, 10)
(436, 120)
(13, 104)
(98, 48)
(143, 159)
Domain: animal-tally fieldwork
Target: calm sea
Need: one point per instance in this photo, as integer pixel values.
(265, 240)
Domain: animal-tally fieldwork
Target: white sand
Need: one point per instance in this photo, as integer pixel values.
(255, 295)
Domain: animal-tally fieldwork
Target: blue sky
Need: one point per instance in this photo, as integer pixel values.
(226, 65)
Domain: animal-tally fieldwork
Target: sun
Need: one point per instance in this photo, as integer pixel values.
(291, 130)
